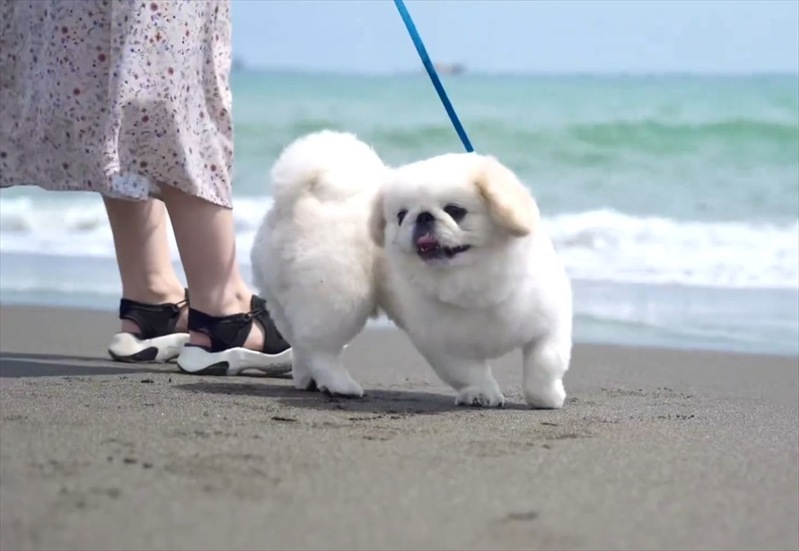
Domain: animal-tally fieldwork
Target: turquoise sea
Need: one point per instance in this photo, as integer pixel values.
(674, 200)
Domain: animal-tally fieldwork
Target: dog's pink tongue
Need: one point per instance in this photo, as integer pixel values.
(426, 241)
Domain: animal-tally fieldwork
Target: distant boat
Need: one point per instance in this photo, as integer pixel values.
(450, 68)
(237, 64)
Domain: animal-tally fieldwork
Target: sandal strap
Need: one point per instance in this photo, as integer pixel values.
(153, 320)
(226, 332)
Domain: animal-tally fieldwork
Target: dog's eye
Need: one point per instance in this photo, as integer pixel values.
(457, 213)
(401, 216)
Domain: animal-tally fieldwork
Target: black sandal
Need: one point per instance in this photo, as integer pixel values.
(227, 355)
(156, 340)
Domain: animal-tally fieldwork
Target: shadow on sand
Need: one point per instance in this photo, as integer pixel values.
(383, 401)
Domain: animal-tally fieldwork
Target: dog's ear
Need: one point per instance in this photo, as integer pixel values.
(509, 203)
(377, 221)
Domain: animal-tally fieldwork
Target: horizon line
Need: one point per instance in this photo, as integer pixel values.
(246, 68)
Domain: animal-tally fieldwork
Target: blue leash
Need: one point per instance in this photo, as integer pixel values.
(431, 72)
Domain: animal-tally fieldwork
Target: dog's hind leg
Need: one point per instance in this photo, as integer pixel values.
(471, 379)
(323, 319)
(330, 375)
(317, 366)
(545, 363)
(301, 370)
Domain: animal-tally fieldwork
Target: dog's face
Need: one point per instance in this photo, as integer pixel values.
(449, 210)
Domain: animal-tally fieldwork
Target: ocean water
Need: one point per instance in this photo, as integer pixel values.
(674, 200)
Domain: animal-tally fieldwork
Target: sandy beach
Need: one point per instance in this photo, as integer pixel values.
(655, 449)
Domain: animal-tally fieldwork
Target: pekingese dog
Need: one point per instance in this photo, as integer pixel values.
(450, 248)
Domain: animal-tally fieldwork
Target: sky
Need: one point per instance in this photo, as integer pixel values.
(522, 36)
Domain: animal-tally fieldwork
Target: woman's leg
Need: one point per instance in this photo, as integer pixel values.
(206, 240)
(142, 251)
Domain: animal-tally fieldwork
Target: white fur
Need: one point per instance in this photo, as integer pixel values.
(313, 259)
(331, 253)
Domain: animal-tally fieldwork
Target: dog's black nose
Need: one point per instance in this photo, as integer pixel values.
(424, 218)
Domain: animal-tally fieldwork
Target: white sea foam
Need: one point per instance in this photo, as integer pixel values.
(606, 245)
(598, 245)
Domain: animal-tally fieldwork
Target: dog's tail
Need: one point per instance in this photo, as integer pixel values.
(329, 165)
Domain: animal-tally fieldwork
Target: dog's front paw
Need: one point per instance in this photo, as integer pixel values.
(480, 397)
(339, 384)
(550, 397)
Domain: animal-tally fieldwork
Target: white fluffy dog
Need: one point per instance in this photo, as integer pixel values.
(450, 248)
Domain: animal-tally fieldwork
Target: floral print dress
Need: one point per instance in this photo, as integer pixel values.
(116, 97)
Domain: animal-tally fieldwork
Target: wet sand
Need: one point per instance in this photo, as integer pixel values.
(655, 449)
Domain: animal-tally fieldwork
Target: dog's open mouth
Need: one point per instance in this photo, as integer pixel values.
(428, 248)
